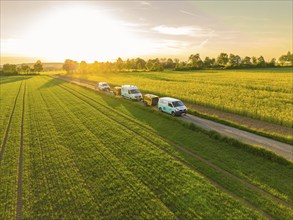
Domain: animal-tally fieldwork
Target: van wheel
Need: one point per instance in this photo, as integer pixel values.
(161, 109)
(145, 104)
(173, 113)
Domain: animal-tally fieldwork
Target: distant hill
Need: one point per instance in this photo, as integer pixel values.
(47, 66)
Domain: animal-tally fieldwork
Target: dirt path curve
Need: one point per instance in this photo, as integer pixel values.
(282, 149)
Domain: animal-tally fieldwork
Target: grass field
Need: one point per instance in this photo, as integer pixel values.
(264, 94)
(68, 152)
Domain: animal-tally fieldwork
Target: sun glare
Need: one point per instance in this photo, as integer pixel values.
(80, 33)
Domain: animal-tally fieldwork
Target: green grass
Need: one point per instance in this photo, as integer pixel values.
(9, 160)
(90, 155)
(235, 160)
(264, 94)
(250, 165)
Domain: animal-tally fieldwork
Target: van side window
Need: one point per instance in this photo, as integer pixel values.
(170, 105)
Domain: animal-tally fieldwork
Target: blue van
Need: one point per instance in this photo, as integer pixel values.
(172, 106)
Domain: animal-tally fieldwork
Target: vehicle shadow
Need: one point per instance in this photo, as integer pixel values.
(133, 109)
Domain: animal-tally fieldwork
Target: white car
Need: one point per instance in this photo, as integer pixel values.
(103, 86)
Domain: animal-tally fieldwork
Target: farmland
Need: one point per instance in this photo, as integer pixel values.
(68, 152)
(264, 94)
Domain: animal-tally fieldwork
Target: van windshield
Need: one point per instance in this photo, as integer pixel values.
(134, 91)
(177, 104)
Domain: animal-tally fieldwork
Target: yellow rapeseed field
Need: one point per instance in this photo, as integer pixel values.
(264, 94)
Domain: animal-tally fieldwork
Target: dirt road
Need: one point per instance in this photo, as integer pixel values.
(279, 148)
(282, 149)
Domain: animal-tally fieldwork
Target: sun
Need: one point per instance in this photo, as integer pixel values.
(82, 33)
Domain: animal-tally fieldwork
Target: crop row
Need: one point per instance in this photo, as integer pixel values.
(79, 171)
(8, 95)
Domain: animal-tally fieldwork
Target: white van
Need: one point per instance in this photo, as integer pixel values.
(103, 86)
(172, 106)
(131, 92)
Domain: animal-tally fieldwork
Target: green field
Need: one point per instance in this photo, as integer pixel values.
(69, 153)
(264, 94)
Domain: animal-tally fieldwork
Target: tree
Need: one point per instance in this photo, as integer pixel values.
(154, 65)
(222, 59)
(25, 68)
(254, 61)
(209, 62)
(83, 67)
(70, 66)
(8, 69)
(286, 59)
(246, 62)
(180, 65)
(169, 64)
(261, 62)
(195, 61)
(119, 64)
(272, 63)
(232, 60)
(140, 64)
(38, 66)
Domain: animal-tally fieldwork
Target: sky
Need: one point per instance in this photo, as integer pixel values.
(105, 30)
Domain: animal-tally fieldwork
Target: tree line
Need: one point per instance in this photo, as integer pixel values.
(12, 69)
(223, 61)
(194, 62)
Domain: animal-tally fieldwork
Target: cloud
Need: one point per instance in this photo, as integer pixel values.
(145, 3)
(202, 44)
(184, 30)
(191, 31)
(189, 13)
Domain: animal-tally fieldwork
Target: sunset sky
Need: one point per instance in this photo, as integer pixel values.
(98, 30)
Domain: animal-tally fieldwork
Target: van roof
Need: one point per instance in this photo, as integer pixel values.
(151, 95)
(131, 86)
(169, 99)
